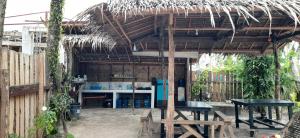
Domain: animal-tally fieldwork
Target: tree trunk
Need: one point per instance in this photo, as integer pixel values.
(2, 16)
(63, 121)
(277, 80)
(54, 36)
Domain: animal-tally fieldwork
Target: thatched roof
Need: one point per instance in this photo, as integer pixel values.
(200, 25)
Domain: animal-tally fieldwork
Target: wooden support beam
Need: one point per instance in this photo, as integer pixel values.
(170, 110)
(4, 103)
(188, 79)
(123, 32)
(277, 78)
(112, 25)
(23, 89)
(230, 29)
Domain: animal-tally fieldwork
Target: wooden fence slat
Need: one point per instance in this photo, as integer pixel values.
(12, 79)
(22, 99)
(11, 68)
(26, 97)
(17, 115)
(17, 69)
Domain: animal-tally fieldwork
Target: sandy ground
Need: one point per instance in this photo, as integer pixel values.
(124, 123)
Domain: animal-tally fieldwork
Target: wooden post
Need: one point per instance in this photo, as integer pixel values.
(4, 93)
(277, 80)
(4, 75)
(170, 110)
(188, 79)
(41, 79)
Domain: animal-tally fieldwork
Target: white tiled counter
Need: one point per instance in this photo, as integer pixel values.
(116, 93)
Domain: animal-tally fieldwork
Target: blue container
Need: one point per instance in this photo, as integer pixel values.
(119, 103)
(181, 83)
(137, 103)
(75, 110)
(125, 103)
(147, 103)
(160, 90)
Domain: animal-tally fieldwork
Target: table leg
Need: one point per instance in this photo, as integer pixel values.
(115, 100)
(270, 113)
(162, 127)
(198, 115)
(251, 124)
(290, 112)
(237, 121)
(205, 126)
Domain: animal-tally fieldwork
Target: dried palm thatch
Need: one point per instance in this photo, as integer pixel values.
(244, 8)
(94, 40)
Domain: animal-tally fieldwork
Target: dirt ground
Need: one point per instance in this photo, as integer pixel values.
(124, 123)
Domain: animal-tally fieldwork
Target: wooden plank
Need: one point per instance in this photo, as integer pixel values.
(186, 134)
(212, 131)
(4, 77)
(41, 76)
(17, 131)
(24, 89)
(12, 79)
(194, 122)
(35, 60)
(41, 79)
(26, 95)
(22, 116)
(17, 70)
(22, 98)
(32, 109)
(170, 110)
(22, 68)
(26, 71)
(31, 70)
(190, 129)
(11, 68)
(26, 111)
(11, 115)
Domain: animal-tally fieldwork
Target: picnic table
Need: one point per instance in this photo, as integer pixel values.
(266, 121)
(194, 106)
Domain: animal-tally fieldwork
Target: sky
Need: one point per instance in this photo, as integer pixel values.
(17, 7)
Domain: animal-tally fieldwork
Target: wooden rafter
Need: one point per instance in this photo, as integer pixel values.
(142, 29)
(253, 28)
(123, 32)
(189, 25)
(252, 45)
(142, 45)
(155, 24)
(113, 26)
(239, 46)
(138, 20)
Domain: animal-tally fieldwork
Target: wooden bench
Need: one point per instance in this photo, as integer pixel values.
(187, 124)
(92, 97)
(227, 122)
(146, 123)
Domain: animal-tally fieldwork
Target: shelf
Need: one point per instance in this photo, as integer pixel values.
(123, 77)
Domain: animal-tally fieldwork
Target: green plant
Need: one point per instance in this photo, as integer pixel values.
(14, 135)
(200, 84)
(258, 77)
(60, 102)
(46, 121)
(69, 135)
